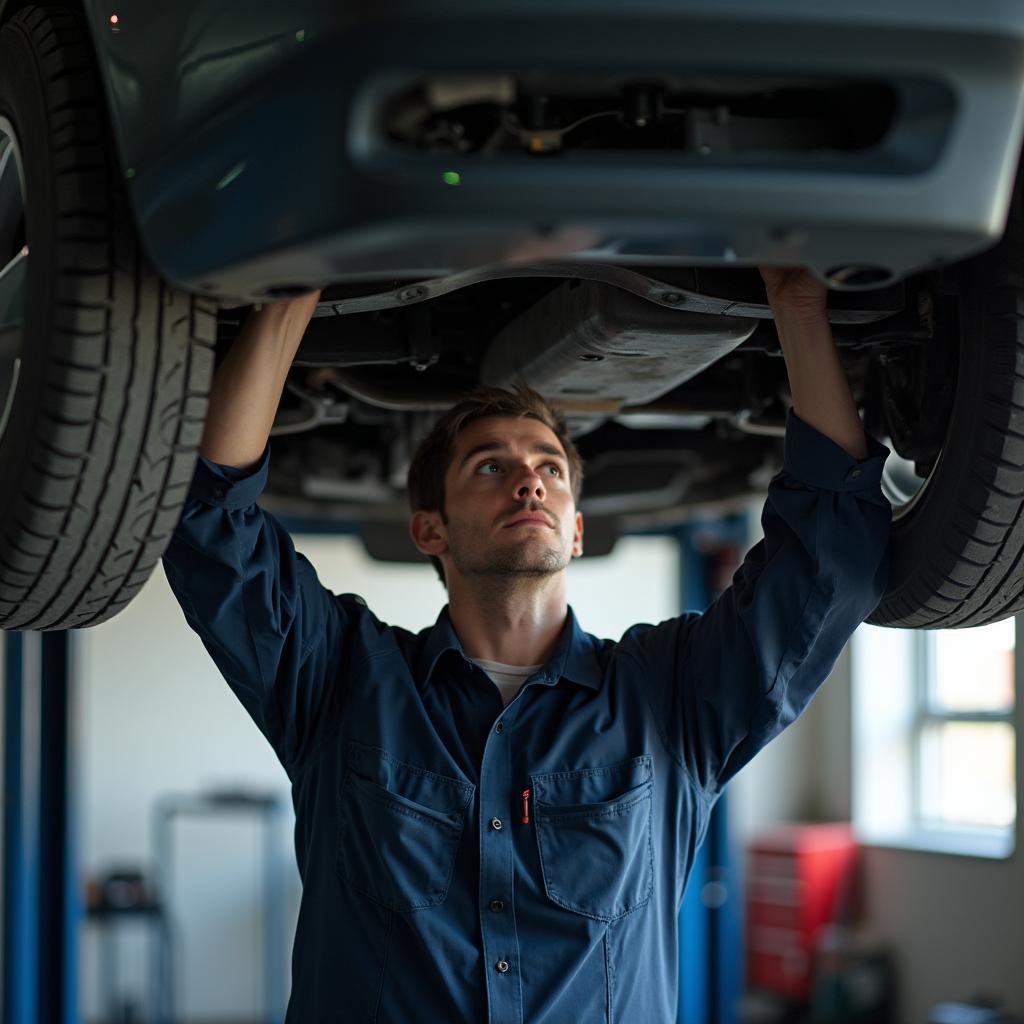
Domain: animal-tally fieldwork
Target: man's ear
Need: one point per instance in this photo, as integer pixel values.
(577, 540)
(428, 532)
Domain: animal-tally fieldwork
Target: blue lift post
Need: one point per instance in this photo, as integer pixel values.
(711, 959)
(21, 846)
(41, 908)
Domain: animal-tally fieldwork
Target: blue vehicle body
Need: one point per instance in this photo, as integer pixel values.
(252, 136)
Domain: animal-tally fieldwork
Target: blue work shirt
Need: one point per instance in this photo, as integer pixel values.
(428, 895)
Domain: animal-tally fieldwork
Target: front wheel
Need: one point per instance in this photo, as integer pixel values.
(957, 546)
(104, 369)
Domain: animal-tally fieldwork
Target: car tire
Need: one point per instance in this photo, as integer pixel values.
(957, 552)
(104, 368)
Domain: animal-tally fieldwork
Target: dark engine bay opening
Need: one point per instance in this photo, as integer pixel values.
(735, 117)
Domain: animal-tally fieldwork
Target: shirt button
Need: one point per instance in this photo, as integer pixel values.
(219, 492)
(854, 473)
(500, 727)
(496, 824)
(502, 966)
(497, 906)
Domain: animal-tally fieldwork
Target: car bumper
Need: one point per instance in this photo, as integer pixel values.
(289, 184)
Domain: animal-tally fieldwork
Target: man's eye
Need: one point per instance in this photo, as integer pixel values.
(556, 468)
(487, 466)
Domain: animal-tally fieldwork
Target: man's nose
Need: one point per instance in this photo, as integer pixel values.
(529, 484)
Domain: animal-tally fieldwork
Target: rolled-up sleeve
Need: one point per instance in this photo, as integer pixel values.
(257, 605)
(724, 682)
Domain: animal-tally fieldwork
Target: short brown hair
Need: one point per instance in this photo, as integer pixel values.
(434, 453)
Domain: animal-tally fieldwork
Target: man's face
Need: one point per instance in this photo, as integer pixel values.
(508, 502)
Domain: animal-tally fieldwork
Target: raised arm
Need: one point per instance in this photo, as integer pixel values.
(821, 394)
(248, 385)
(276, 634)
(724, 682)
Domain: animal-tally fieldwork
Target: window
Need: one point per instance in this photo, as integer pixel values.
(934, 718)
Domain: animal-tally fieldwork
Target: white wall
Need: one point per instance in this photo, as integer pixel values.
(155, 717)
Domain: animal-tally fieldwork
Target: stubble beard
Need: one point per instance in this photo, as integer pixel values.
(510, 563)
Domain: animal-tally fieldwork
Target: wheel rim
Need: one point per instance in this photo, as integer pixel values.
(13, 269)
(901, 484)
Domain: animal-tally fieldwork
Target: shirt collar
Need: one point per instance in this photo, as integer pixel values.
(573, 658)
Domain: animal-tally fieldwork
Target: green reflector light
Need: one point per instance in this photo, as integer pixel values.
(451, 177)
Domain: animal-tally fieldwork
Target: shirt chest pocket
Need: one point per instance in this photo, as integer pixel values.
(594, 837)
(399, 828)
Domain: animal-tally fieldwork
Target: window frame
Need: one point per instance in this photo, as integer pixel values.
(918, 714)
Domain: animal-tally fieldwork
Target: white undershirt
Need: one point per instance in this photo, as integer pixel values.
(508, 678)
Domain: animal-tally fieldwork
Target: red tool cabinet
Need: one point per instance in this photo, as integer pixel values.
(799, 878)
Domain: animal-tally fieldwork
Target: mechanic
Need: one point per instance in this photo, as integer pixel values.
(496, 817)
